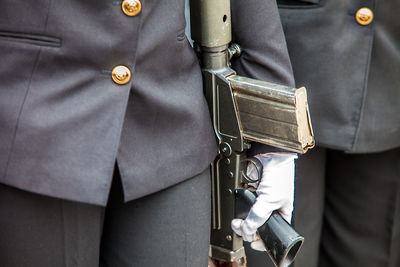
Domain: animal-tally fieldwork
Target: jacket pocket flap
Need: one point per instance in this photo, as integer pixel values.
(35, 39)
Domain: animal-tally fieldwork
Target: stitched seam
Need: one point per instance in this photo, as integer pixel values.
(362, 106)
(186, 246)
(25, 97)
(64, 232)
(20, 112)
(391, 250)
(48, 15)
(78, 246)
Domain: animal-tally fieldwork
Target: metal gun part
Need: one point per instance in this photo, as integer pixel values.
(242, 110)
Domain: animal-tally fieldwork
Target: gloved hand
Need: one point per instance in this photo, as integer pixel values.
(275, 192)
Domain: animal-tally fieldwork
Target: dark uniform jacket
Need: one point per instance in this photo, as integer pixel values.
(350, 67)
(64, 122)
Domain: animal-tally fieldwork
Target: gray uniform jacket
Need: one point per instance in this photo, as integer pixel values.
(64, 122)
(351, 71)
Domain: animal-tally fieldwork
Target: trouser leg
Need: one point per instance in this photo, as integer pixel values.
(360, 212)
(309, 204)
(168, 228)
(42, 231)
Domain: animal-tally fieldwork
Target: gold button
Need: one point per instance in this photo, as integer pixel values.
(364, 16)
(131, 7)
(121, 75)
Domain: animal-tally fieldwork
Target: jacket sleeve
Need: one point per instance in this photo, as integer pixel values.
(257, 28)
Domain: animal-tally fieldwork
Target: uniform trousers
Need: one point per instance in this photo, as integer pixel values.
(347, 206)
(168, 228)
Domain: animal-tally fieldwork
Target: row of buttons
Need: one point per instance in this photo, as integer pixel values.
(122, 74)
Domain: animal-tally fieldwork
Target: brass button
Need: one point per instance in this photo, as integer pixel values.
(131, 7)
(364, 16)
(121, 75)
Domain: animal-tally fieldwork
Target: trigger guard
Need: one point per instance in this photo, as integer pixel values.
(259, 167)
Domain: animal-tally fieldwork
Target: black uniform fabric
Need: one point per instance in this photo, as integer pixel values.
(350, 218)
(351, 71)
(347, 204)
(168, 228)
(42, 231)
(64, 121)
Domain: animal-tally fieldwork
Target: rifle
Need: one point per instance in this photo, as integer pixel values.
(244, 110)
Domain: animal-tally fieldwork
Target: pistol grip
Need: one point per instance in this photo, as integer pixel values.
(281, 240)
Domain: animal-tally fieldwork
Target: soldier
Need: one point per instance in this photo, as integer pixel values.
(100, 96)
(348, 189)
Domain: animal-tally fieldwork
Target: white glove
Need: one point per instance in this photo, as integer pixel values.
(274, 192)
